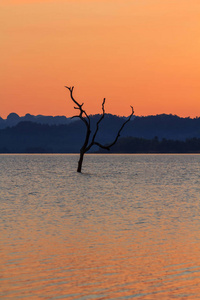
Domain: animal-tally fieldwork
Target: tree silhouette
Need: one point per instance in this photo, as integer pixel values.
(88, 143)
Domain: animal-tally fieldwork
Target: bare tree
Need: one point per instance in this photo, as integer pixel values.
(88, 143)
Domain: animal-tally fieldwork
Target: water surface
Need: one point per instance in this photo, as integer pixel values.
(128, 227)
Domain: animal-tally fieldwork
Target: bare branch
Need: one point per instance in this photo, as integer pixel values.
(79, 106)
(85, 118)
(107, 147)
(97, 125)
(102, 146)
(118, 134)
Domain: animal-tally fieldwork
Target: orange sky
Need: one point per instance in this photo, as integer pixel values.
(144, 53)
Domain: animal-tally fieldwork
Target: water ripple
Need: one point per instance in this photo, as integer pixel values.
(128, 227)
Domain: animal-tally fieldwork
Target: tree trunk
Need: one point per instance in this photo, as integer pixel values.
(80, 162)
(86, 119)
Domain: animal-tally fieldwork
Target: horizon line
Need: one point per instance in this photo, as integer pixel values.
(69, 117)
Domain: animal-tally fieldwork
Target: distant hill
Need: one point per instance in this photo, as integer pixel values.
(13, 119)
(63, 135)
(29, 137)
(166, 126)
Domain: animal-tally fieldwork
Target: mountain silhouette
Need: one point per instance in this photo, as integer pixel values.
(13, 119)
(38, 134)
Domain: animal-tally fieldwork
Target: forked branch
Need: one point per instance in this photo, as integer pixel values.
(86, 119)
(83, 115)
(97, 126)
(118, 134)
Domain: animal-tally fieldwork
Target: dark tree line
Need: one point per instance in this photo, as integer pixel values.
(140, 145)
(28, 137)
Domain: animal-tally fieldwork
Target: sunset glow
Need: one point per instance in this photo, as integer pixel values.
(142, 53)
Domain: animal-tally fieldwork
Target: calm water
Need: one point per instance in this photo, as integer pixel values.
(128, 227)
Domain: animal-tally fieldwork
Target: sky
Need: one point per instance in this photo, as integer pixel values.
(144, 53)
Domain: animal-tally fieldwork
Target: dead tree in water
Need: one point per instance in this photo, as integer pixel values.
(86, 119)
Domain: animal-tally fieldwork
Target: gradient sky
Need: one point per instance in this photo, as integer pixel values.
(144, 53)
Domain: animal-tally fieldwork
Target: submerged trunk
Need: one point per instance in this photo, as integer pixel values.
(80, 162)
(86, 119)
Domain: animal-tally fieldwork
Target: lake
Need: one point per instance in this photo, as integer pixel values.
(127, 228)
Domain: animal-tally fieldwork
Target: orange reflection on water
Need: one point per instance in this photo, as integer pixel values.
(105, 261)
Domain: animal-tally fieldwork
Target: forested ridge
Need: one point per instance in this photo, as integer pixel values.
(151, 134)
